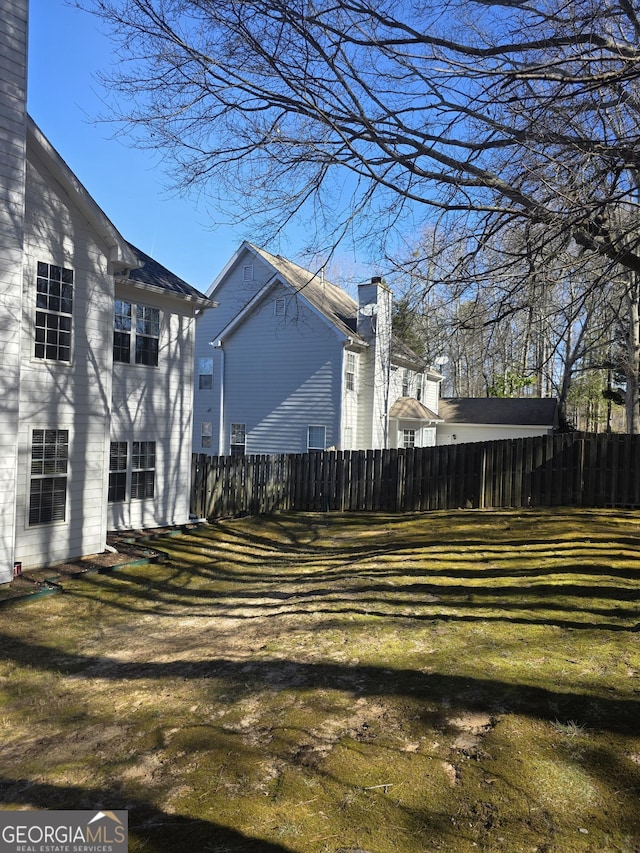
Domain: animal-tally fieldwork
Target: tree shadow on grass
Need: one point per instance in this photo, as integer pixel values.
(155, 829)
(565, 605)
(465, 693)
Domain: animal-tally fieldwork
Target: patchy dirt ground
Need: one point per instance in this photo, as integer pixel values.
(442, 682)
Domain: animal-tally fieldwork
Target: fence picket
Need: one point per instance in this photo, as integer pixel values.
(575, 469)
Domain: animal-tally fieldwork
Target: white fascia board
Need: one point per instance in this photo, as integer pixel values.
(483, 425)
(248, 308)
(277, 278)
(120, 253)
(162, 291)
(233, 260)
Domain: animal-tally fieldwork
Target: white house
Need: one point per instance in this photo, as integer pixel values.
(468, 419)
(288, 362)
(97, 346)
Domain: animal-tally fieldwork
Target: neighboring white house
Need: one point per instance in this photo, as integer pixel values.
(489, 419)
(97, 353)
(289, 363)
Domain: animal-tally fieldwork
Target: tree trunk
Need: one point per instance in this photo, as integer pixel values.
(632, 397)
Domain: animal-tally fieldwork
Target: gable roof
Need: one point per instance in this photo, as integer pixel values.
(120, 251)
(130, 262)
(410, 409)
(524, 411)
(334, 303)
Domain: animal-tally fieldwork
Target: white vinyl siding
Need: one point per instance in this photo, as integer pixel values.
(158, 410)
(280, 375)
(65, 395)
(13, 80)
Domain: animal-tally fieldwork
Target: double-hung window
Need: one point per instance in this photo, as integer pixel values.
(143, 469)
(317, 438)
(238, 439)
(206, 434)
(54, 309)
(118, 458)
(144, 322)
(351, 368)
(205, 374)
(406, 383)
(408, 438)
(48, 487)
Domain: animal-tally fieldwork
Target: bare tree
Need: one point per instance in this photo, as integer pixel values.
(363, 112)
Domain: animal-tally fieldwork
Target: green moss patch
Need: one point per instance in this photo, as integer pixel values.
(317, 682)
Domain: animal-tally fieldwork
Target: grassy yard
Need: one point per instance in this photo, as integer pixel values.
(318, 683)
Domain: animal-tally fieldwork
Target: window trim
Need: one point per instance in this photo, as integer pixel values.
(139, 340)
(406, 382)
(205, 362)
(206, 435)
(143, 476)
(57, 477)
(410, 434)
(51, 323)
(322, 427)
(237, 428)
(115, 473)
(141, 482)
(351, 371)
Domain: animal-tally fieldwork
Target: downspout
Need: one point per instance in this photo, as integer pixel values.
(343, 395)
(221, 402)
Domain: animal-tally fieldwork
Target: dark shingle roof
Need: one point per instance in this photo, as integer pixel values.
(530, 411)
(153, 274)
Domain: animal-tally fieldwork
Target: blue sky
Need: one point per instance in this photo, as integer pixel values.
(67, 47)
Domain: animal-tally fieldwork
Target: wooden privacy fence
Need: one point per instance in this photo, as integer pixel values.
(569, 469)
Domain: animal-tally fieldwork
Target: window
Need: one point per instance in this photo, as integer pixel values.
(206, 434)
(143, 464)
(351, 368)
(238, 439)
(122, 331)
(117, 471)
(147, 335)
(54, 307)
(279, 306)
(147, 330)
(316, 437)
(49, 460)
(205, 374)
(406, 383)
(408, 438)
